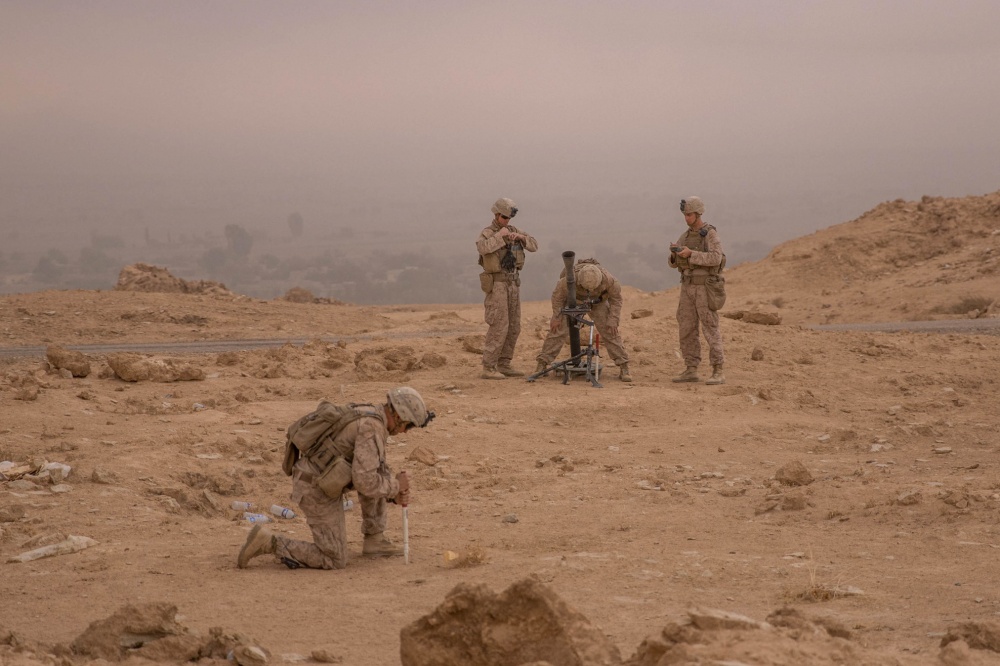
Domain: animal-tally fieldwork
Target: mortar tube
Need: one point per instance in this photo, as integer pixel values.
(574, 333)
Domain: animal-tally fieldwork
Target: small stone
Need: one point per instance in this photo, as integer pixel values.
(510, 518)
(12, 513)
(794, 474)
(103, 476)
(326, 657)
(423, 455)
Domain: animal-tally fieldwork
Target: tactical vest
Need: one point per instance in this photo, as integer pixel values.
(696, 240)
(507, 259)
(313, 436)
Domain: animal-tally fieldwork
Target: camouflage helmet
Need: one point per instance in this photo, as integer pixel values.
(588, 277)
(693, 205)
(504, 207)
(410, 406)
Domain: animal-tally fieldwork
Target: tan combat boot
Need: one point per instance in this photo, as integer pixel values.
(379, 544)
(260, 541)
(541, 367)
(717, 376)
(508, 371)
(689, 375)
(491, 373)
(623, 373)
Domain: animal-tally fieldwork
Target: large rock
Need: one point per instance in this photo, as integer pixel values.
(152, 633)
(128, 629)
(984, 635)
(132, 367)
(753, 317)
(61, 358)
(527, 623)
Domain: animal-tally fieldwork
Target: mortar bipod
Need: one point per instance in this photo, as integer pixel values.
(587, 361)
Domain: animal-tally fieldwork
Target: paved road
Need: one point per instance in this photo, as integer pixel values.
(212, 346)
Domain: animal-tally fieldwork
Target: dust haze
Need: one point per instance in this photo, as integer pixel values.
(354, 148)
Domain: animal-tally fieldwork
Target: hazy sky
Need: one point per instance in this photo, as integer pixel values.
(248, 110)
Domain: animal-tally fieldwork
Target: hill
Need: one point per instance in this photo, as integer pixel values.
(936, 258)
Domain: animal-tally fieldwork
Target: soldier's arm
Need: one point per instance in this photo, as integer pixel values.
(489, 241)
(615, 302)
(529, 243)
(559, 296)
(370, 474)
(713, 257)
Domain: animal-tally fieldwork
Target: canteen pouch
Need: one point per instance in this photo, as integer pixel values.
(715, 287)
(486, 282)
(335, 478)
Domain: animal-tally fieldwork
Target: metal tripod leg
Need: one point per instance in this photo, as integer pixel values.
(566, 365)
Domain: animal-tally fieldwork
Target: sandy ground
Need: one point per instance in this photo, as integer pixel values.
(633, 502)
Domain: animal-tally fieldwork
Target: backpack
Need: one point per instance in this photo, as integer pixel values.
(306, 436)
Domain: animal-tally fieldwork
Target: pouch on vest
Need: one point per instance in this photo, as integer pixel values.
(715, 288)
(490, 262)
(486, 282)
(291, 457)
(335, 478)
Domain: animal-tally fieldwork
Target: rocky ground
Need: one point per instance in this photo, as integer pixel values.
(839, 492)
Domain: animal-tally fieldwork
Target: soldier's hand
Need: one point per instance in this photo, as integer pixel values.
(613, 331)
(554, 324)
(403, 497)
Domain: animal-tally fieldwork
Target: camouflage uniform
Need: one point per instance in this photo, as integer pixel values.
(692, 306)
(503, 301)
(371, 478)
(606, 314)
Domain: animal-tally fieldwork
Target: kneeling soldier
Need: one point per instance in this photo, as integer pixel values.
(341, 447)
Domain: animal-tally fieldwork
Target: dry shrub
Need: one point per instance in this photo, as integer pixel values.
(816, 591)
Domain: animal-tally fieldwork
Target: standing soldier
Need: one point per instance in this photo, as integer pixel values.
(501, 249)
(697, 254)
(328, 452)
(601, 289)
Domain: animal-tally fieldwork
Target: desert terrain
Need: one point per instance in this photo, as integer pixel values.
(845, 479)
